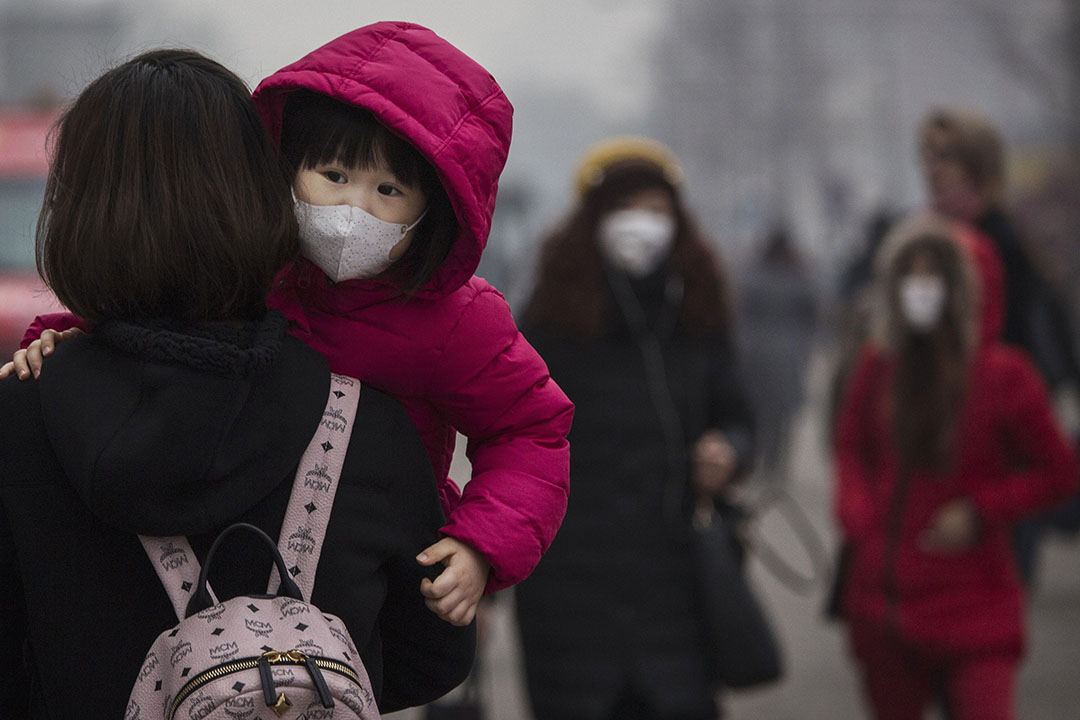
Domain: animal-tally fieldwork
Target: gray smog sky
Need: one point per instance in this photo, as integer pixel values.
(804, 109)
(591, 46)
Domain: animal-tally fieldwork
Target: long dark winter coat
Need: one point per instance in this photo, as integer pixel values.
(135, 430)
(611, 605)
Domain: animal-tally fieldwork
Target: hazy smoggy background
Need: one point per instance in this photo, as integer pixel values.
(795, 112)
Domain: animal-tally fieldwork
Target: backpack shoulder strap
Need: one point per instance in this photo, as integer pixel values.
(176, 567)
(306, 518)
(304, 527)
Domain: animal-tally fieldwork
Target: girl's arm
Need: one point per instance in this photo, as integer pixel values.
(492, 386)
(52, 321)
(1047, 470)
(29, 360)
(854, 446)
(39, 340)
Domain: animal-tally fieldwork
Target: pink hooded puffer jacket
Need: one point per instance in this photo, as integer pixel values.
(452, 354)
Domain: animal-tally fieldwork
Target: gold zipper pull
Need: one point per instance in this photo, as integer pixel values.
(282, 706)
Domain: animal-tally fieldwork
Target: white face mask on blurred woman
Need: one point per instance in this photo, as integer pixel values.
(922, 299)
(636, 240)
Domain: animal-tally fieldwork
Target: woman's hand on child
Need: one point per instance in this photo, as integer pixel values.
(27, 362)
(712, 463)
(456, 592)
(953, 529)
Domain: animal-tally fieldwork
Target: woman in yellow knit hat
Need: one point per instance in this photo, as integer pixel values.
(631, 313)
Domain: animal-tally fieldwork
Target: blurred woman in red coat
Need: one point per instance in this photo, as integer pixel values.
(945, 440)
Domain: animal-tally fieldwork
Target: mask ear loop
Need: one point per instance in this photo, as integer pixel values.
(406, 228)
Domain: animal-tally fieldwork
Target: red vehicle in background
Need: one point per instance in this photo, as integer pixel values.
(23, 169)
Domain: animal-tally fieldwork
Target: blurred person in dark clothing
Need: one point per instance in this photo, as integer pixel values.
(859, 274)
(963, 163)
(853, 314)
(777, 319)
(631, 313)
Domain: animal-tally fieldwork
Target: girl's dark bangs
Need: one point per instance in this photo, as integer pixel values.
(358, 140)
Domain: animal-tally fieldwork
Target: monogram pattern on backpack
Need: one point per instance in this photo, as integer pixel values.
(269, 656)
(215, 663)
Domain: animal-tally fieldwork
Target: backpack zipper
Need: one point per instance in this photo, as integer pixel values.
(313, 664)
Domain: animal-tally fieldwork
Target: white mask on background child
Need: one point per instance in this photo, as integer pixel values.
(636, 241)
(922, 298)
(346, 242)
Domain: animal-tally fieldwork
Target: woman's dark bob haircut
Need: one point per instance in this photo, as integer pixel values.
(164, 198)
(317, 129)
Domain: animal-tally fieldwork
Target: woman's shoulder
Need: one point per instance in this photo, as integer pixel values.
(21, 425)
(377, 407)
(385, 443)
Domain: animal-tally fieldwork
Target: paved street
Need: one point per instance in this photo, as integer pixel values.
(820, 683)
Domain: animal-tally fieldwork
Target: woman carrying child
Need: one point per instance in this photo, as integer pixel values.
(186, 409)
(393, 141)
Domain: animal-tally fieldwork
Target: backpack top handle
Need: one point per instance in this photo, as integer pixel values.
(201, 599)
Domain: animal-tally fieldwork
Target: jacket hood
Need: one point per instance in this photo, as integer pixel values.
(979, 304)
(173, 433)
(990, 276)
(430, 94)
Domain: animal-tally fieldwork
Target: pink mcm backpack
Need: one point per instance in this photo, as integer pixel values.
(269, 656)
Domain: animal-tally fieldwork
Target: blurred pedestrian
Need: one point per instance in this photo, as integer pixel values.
(777, 319)
(946, 439)
(859, 273)
(963, 163)
(631, 312)
(852, 314)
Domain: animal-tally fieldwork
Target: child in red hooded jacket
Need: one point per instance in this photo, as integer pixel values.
(946, 439)
(393, 140)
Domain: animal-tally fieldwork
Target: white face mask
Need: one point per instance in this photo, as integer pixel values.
(922, 298)
(346, 242)
(636, 241)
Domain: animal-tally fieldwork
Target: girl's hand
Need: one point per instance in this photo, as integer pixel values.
(27, 362)
(712, 463)
(953, 529)
(455, 593)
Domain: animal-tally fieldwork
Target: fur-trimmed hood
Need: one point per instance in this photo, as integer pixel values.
(976, 299)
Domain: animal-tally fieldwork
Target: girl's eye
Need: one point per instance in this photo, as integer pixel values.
(335, 177)
(390, 190)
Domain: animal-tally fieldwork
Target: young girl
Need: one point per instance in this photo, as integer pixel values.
(945, 440)
(394, 141)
